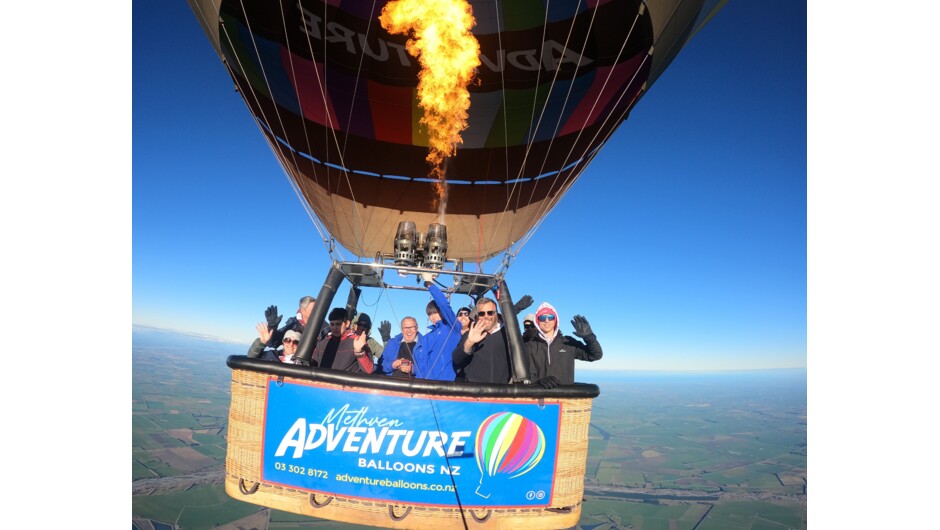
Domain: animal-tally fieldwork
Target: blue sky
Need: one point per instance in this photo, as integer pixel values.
(697, 205)
(102, 213)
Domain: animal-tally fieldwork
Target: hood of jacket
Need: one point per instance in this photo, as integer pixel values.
(546, 308)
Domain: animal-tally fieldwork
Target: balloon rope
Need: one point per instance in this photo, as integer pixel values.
(332, 135)
(359, 234)
(267, 133)
(542, 211)
(484, 250)
(298, 181)
(588, 153)
(546, 206)
(453, 482)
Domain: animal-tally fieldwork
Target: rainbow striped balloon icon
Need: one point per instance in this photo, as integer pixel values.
(507, 446)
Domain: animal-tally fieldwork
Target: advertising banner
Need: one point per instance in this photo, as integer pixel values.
(393, 448)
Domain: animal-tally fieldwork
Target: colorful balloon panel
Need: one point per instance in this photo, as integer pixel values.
(508, 444)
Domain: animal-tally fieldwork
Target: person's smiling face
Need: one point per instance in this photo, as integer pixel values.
(486, 315)
(409, 329)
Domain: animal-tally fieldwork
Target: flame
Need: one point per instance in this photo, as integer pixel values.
(440, 38)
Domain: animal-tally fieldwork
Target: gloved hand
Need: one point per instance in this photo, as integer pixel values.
(385, 329)
(428, 276)
(274, 319)
(581, 327)
(549, 381)
(523, 303)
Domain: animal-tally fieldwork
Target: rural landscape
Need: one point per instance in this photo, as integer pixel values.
(667, 451)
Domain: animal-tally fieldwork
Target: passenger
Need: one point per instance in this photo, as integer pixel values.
(385, 331)
(364, 323)
(343, 349)
(291, 341)
(463, 315)
(482, 355)
(529, 331)
(399, 353)
(259, 350)
(522, 304)
(433, 358)
(551, 355)
(295, 323)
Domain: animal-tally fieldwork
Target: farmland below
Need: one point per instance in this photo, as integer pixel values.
(669, 451)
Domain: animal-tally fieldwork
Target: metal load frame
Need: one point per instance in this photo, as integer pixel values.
(361, 274)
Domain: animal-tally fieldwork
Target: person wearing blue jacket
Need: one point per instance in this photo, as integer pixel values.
(430, 352)
(399, 353)
(434, 360)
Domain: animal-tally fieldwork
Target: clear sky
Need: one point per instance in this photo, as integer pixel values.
(684, 242)
(113, 210)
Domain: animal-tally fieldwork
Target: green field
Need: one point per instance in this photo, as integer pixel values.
(744, 515)
(643, 516)
(200, 508)
(664, 436)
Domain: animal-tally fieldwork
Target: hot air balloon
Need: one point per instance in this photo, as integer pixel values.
(334, 94)
(356, 106)
(507, 446)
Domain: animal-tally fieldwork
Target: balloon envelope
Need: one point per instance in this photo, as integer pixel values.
(335, 96)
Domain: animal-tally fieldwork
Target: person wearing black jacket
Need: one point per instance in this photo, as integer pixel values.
(551, 355)
(294, 323)
(529, 329)
(482, 355)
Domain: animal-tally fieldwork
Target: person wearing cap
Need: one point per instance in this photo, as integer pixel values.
(364, 324)
(259, 350)
(482, 355)
(551, 355)
(291, 341)
(343, 349)
(529, 330)
(463, 315)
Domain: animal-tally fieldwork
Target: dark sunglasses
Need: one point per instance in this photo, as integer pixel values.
(463, 314)
(487, 313)
(546, 318)
(528, 325)
(291, 341)
(338, 323)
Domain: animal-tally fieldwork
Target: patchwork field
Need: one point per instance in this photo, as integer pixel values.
(666, 451)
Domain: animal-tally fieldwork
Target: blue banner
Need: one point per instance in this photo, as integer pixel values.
(393, 448)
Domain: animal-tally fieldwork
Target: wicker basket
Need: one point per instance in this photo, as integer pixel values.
(244, 481)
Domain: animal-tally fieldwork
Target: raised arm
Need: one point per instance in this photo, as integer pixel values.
(582, 329)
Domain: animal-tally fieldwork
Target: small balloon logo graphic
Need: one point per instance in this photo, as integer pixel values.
(507, 446)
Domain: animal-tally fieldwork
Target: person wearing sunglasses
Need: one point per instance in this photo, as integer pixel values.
(551, 355)
(482, 355)
(529, 329)
(344, 349)
(463, 316)
(291, 341)
(259, 348)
